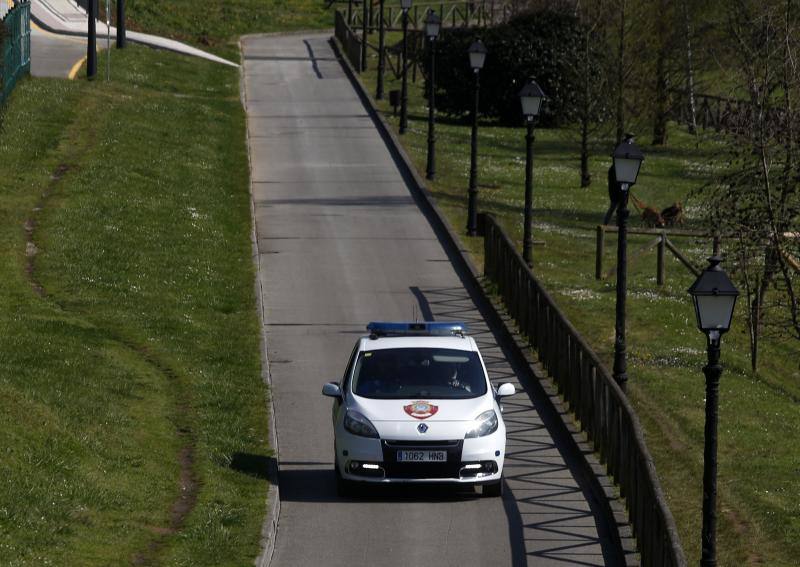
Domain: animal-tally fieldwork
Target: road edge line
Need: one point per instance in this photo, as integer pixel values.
(73, 72)
(269, 527)
(603, 489)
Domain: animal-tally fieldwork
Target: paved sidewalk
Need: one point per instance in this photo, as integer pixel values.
(66, 17)
(341, 242)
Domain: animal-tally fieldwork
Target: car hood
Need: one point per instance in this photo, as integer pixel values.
(428, 410)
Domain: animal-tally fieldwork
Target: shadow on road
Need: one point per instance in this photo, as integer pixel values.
(543, 475)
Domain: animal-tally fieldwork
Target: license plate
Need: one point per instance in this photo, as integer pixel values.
(421, 456)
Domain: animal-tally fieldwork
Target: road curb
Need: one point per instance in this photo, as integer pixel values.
(139, 38)
(593, 472)
(269, 528)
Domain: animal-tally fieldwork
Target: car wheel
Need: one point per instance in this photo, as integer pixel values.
(493, 490)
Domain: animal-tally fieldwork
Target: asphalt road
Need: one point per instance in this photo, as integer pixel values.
(343, 242)
(55, 55)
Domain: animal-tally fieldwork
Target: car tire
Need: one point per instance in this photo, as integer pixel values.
(492, 490)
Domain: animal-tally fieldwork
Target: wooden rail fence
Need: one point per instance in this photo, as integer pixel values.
(604, 413)
(661, 242)
(719, 113)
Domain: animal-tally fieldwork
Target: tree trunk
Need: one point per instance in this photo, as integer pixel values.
(744, 262)
(661, 103)
(767, 277)
(689, 69)
(755, 324)
(787, 101)
(586, 176)
(586, 115)
(621, 74)
(660, 118)
(791, 146)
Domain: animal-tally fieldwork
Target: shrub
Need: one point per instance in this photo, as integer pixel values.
(543, 44)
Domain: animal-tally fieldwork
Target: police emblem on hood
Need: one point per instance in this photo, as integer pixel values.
(421, 410)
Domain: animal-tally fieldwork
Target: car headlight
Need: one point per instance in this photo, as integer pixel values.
(485, 424)
(359, 425)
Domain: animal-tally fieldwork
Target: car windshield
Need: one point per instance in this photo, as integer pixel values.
(401, 373)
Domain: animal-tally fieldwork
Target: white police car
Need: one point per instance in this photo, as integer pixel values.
(415, 405)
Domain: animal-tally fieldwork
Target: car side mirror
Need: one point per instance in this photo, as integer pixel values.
(333, 390)
(506, 390)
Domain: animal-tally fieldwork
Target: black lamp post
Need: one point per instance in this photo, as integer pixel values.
(381, 55)
(531, 97)
(628, 159)
(121, 34)
(405, 5)
(477, 57)
(714, 297)
(364, 27)
(91, 43)
(432, 25)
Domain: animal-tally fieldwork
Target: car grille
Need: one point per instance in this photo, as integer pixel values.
(450, 469)
(423, 444)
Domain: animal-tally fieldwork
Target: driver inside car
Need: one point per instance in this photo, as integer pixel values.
(454, 381)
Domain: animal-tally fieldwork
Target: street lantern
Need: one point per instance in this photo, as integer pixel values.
(714, 297)
(405, 4)
(477, 55)
(432, 25)
(531, 97)
(628, 159)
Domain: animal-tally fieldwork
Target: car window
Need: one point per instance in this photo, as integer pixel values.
(347, 371)
(419, 373)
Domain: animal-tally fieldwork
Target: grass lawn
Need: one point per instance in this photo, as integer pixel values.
(133, 423)
(759, 453)
(217, 24)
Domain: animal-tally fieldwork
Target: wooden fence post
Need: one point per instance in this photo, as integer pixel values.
(662, 245)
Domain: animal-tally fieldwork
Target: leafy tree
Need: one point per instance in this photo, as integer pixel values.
(756, 200)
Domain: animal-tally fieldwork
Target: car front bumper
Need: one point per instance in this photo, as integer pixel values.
(469, 461)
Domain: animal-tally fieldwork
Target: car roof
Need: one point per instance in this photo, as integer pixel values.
(418, 341)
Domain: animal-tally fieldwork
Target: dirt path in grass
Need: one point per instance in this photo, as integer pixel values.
(189, 484)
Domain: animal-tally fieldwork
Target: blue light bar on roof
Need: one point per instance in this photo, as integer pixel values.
(382, 329)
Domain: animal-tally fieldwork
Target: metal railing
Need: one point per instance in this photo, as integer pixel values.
(350, 42)
(601, 408)
(16, 47)
(454, 14)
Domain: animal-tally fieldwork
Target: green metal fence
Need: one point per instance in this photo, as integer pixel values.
(16, 47)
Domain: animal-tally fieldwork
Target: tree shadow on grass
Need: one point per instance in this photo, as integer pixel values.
(258, 466)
